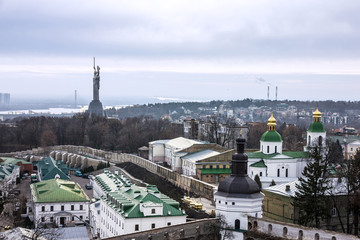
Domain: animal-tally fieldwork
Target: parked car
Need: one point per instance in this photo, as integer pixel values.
(85, 176)
(88, 186)
(78, 173)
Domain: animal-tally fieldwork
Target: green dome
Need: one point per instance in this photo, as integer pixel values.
(271, 136)
(316, 127)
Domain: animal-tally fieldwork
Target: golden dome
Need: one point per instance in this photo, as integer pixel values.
(271, 123)
(317, 113)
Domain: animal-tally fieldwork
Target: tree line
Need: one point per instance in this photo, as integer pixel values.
(109, 134)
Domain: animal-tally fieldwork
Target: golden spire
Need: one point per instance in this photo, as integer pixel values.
(271, 123)
(317, 115)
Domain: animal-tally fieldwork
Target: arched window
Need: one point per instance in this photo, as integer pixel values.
(237, 224)
(300, 235)
(285, 230)
(320, 141)
(309, 143)
(278, 173)
(276, 149)
(287, 173)
(268, 149)
(317, 236)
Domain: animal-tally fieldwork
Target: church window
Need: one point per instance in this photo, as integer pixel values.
(153, 225)
(237, 224)
(276, 149)
(278, 172)
(153, 210)
(233, 203)
(225, 203)
(334, 213)
(320, 141)
(287, 173)
(268, 149)
(260, 174)
(309, 143)
(136, 227)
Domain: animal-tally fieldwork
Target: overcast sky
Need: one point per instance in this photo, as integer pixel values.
(193, 50)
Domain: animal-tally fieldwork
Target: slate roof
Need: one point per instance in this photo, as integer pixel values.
(57, 190)
(120, 196)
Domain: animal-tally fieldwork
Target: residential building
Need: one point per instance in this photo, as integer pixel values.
(123, 208)
(59, 202)
(278, 204)
(25, 167)
(49, 168)
(8, 175)
(168, 151)
(350, 145)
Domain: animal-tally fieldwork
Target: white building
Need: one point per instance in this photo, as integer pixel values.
(8, 175)
(123, 208)
(271, 163)
(238, 196)
(190, 160)
(59, 202)
(169, 151)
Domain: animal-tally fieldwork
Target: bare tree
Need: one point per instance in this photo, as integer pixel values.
(42, 232)
(219, 130)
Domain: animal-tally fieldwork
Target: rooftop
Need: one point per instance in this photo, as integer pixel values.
(128, 199)
(57, 190)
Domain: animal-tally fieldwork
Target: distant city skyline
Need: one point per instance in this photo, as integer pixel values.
(203, 50)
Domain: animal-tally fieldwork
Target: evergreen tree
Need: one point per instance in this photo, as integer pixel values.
(257, 180)
(272, 183)
(311, 198)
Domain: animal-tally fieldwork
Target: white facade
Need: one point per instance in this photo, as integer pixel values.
(169, 151)
(116, 195)
(113, 224)
(62, 213)
(313, 138)
(270, 147)
(9, 180)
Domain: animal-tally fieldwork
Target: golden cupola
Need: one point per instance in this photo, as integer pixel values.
(271, 123)
(317, 115)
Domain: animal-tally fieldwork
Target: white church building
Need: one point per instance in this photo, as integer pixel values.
(271, 163)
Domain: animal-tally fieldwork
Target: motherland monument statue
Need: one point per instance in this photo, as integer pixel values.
(95, 106)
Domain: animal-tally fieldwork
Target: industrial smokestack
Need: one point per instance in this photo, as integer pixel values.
(75, 98)
(268, 98)
(276, 94)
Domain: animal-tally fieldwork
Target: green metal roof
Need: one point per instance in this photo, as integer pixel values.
(216, 171)
(259, 164)
(288, 154)
(14, 161)
(57, 190)
(50, 168)
(121, 197)
(316, 127)
(271, 136)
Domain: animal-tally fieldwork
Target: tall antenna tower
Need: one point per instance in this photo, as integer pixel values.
(276, 93)
(268, 92)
